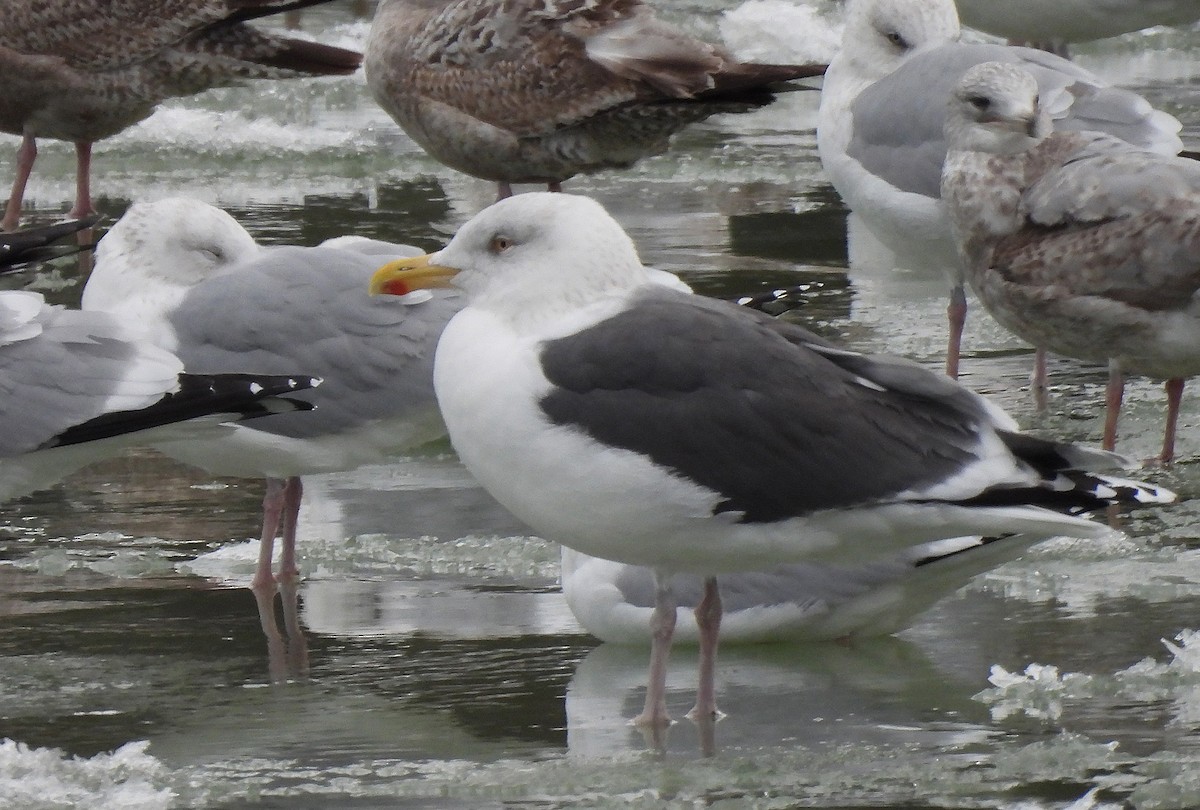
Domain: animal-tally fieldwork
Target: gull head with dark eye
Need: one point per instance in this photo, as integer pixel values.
(500, 243)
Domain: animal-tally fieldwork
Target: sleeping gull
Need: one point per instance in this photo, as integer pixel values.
(83, 70)
(883, 105)
(1065, 21)
(201, 287)
(525, 91)
(76, 387)
(636, 422)
(799, 602)
(1078, 242)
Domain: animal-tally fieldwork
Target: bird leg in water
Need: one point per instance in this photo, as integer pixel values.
(26, 155)
(83, 182)
(1112, 404)
(1039, 379)
(1174, 397)
(272, 510)
(293, 492)
(956, 314)
(708, 620)
(662, 628)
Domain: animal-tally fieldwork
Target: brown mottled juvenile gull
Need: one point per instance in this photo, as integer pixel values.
(1080, 243)
(636, 422)
(76, 387)
(199, 285)
(83, 70)
(536, 91)
(880, 125)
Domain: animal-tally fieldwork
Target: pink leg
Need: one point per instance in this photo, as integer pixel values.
(1039, 378)
(272, 510)
(503, 191)
(293, 491)
(708, 619)
(1174, 396)
(83, 181)
(1112, 404)
(26, 155)
(662, 626)
(956, 314)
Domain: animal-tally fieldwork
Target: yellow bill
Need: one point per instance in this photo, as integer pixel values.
(402, 276)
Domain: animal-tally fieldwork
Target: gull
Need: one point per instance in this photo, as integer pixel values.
(633, 421)
(77, 387)
(200, 286)
(84, 70)
(880, 125)
(525, 91)
(1078, 242)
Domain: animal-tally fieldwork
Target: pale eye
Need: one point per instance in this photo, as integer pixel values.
(499, 244)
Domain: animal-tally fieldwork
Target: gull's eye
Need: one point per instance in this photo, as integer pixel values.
(500, 243)
(981, 103)
(896, 39)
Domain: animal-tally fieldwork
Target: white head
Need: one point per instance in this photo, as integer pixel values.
(158, 250)
(528, 258)
(995, 108)
(880, 34)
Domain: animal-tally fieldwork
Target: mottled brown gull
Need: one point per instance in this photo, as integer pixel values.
(880, 128)
(636, 422)
(536, 91)
(1078, 242)
(83, 70)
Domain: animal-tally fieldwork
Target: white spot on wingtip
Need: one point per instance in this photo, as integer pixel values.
(255, 388)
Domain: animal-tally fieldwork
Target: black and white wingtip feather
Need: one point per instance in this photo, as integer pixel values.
(36, 244)
(234, 397)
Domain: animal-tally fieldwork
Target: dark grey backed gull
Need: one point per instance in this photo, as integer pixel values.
(636, 422)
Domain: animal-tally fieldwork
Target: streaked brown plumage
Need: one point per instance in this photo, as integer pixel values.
(83, 70)
(1078, 242)
(535, 91)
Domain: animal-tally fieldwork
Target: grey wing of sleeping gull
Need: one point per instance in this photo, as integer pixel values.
(797, 602)
(84, 70)
(527, 91)
(882, 115)
(76, 387)
(1080, 243)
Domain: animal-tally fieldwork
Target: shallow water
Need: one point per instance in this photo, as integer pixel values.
(439, 665)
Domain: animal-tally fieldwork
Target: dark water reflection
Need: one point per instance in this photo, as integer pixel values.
(441, 667)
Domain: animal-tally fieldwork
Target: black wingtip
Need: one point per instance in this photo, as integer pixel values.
(237, 396)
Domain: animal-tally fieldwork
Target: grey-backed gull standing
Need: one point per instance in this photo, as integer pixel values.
(83, 70)
(636, 422)
(883, 105)
(536, 91)
(1078, 242)
(198, 284)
